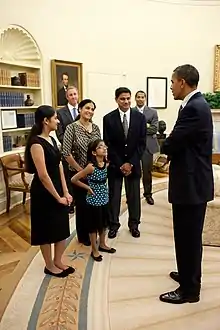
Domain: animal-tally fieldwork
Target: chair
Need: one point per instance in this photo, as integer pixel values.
(15, 177)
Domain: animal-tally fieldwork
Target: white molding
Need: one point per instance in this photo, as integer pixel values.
(207, 3)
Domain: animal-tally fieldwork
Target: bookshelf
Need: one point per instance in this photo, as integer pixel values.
(20, 79)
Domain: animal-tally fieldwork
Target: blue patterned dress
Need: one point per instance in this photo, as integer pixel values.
(97, 204)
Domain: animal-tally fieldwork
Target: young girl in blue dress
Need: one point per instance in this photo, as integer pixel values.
(97, 197)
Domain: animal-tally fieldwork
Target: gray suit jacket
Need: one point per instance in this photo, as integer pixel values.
(151, 118)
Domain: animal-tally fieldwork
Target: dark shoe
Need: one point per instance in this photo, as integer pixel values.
(150, 200)
(112, 233)
(175, 276)
(61, 275)
(99, 258)
(135, 232)
(69, 270)
(177, 297)
(112, 250)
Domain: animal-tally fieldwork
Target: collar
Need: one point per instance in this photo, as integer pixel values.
(122, 112)
(71, 107)
(188, 97)
(140, 109)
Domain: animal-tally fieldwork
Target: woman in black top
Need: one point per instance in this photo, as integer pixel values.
(49, 194)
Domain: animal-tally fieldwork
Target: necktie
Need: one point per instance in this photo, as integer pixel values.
(125, 125)
(180, 109)
(74, 114)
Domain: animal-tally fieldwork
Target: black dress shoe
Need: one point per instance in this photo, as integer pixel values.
(175, 276)
(112, 233)
(99, 258)
(61, 275)
(69, 270)
(111, 251)
(135, 232)
(177, 297)
(150, 200)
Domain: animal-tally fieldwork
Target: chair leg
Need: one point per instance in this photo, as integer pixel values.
(8, 201)
(24, 197)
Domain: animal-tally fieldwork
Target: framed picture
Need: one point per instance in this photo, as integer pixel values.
(9, 119)
(64, 74)
(157, 92)
(217, 69)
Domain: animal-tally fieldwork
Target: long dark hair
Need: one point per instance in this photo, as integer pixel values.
(42, 112)
(82, 104)
(92, 147)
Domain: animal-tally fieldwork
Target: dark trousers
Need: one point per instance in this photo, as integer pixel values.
(147, 165)
(132, 188)
(81, 214)
(188, 221)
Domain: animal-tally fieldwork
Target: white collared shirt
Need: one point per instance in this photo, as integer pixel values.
(128, 114)
(70, 107)
(141, 110)
(188, 97)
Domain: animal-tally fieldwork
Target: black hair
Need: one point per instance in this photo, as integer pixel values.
(121, 90)
(64, 73)
(189, 73)
(42, 112)
(92, 147)
(140, 92)
(82, 104)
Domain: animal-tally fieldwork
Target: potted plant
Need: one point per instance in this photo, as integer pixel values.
(213, 100)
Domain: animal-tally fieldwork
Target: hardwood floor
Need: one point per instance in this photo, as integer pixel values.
(14, 238)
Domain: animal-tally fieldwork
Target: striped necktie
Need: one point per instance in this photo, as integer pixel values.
(125, 125)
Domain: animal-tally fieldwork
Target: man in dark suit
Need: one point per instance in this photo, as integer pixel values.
(189, 148)
(152, 145)
(61, 94)
(66, 116)
(124, 132)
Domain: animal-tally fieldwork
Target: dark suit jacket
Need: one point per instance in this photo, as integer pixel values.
(65, 118)
(61, 97)
(120, 149)
(189, 147)
(151, 117)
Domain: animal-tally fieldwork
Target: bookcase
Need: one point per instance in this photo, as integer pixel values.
(20, 87)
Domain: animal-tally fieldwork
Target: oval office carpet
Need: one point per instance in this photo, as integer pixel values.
(120, 293)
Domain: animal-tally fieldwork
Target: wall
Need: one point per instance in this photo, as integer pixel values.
(129, 39)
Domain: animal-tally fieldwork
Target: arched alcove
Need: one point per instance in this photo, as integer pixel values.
(20, 79)
(18, 46)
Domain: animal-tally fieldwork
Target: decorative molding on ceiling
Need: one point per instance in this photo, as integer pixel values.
(18, 46)
(190, 2)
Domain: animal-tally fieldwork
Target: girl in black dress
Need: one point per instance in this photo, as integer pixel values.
(49, 193)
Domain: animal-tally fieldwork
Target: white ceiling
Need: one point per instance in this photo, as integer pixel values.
(191, 2)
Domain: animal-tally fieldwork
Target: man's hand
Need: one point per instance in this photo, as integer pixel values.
(126, 168)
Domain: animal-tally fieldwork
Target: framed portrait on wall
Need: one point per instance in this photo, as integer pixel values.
(157, 92)
(64, 74)
(217, 69)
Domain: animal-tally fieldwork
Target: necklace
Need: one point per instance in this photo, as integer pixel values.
(86, 127)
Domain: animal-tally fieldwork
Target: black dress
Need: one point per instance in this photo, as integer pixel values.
(49, 219)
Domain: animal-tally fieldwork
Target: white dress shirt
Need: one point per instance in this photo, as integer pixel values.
(73, 113)
(141, 109)
(188, 97)
(128, 114)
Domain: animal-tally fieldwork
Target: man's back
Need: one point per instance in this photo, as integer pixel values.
(191, 177)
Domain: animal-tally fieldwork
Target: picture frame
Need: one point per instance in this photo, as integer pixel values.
(217, 69)
(157, 92)
(64, 74)
(8, 119)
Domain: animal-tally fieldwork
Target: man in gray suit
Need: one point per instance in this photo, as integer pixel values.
(152, 145)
